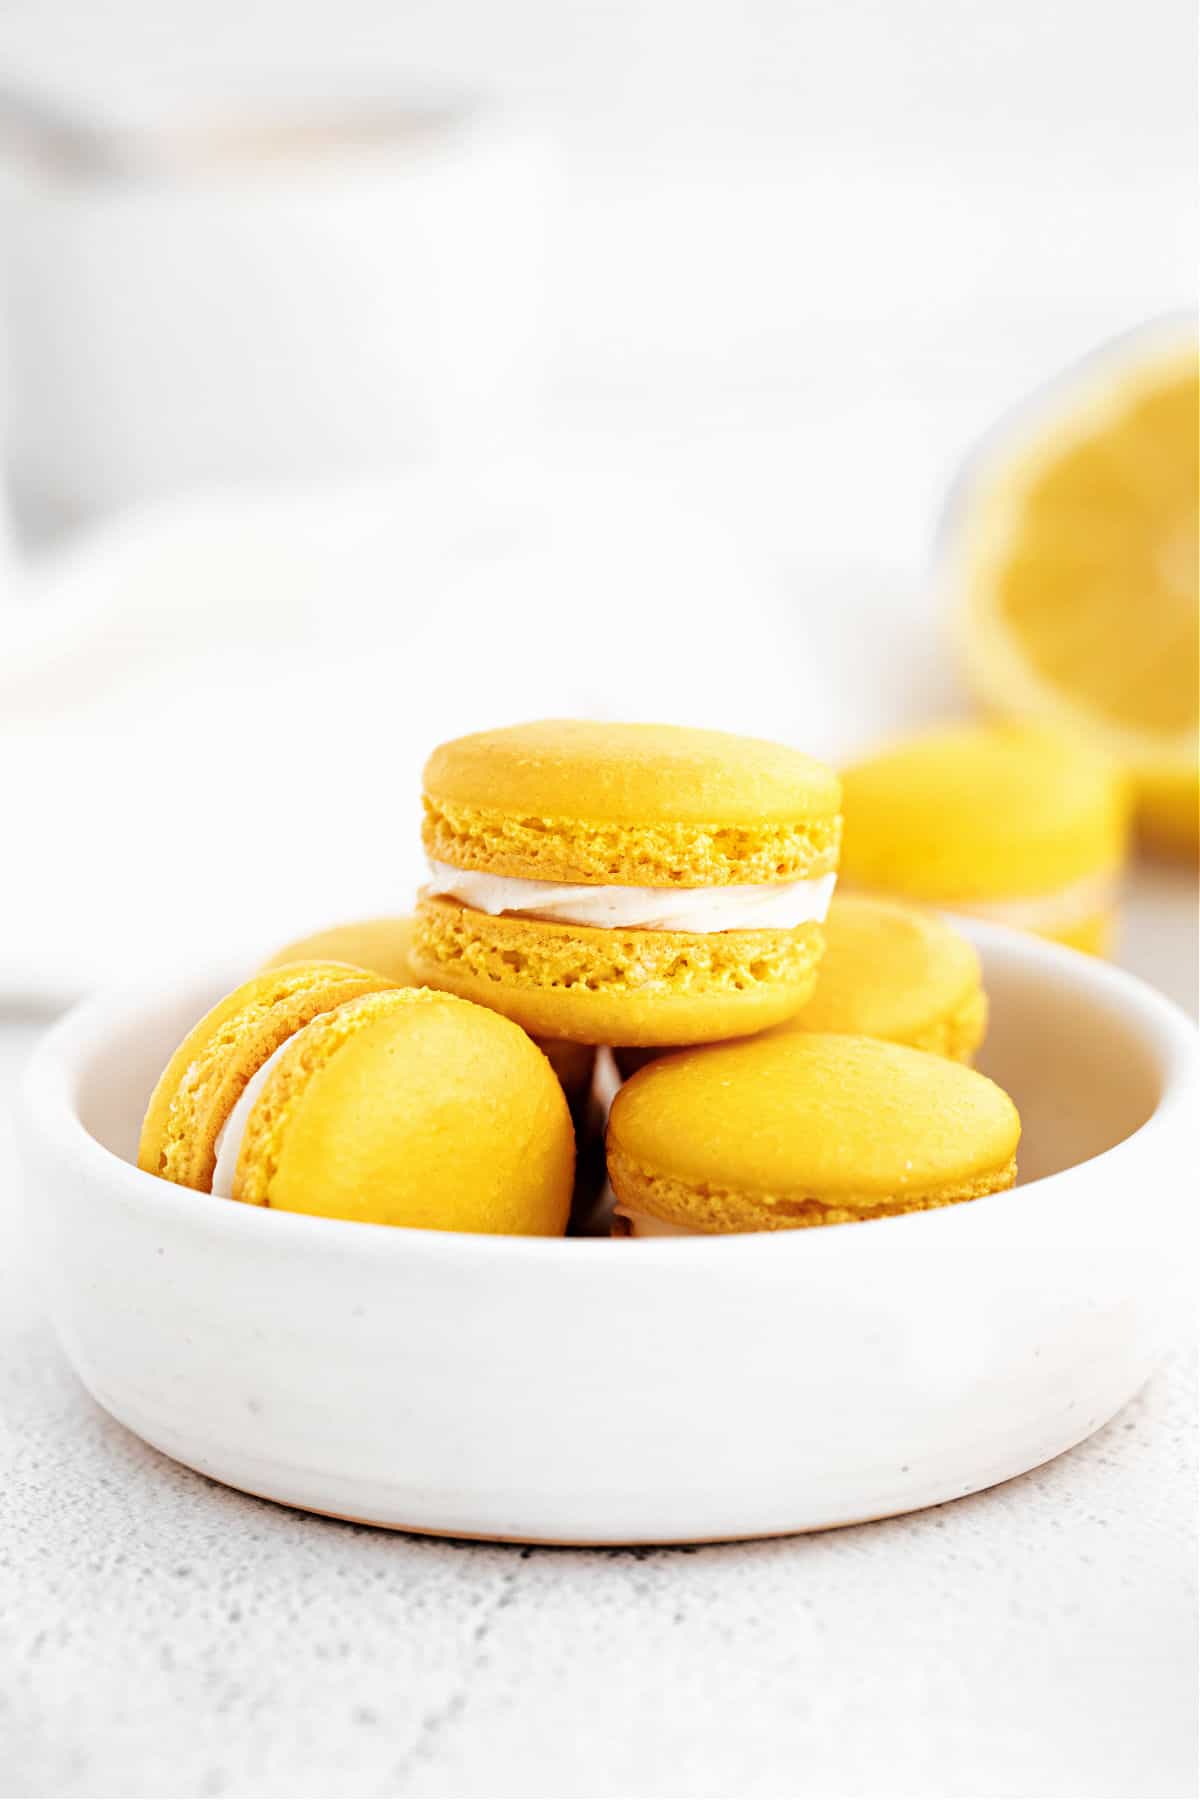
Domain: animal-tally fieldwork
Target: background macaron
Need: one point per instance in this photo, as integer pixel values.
(801, 1129)
(889, 971)
(897, 972)
(384, 944)
(1008, 822)
(637, 884)
(379, 943)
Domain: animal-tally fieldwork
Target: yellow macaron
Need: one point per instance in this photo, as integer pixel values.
(1008, 822)
(205, 1078)
(384, 944)
(800, 1129)
(897, 972)
(381, 944)
(626, 884)
(889, 971)
(329, 1092)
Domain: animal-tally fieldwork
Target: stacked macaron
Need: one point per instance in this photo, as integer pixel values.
(626, 884)
(591, 883)
(638, 886)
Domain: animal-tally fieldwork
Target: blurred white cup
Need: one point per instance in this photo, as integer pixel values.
(287, 295)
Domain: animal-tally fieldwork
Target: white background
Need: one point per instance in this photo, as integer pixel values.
(851, 232)
(801, 257)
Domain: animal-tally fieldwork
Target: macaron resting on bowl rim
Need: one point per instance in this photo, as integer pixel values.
(804, 1129)
(326, 1090)
(626, 884)
(1011, 823)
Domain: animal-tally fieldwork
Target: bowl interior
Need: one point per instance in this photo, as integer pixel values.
(117, 1076)
(1063, 1040)
(1076, 1059)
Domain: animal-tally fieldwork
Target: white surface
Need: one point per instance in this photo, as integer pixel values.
(465, 1384)
(162, 1635)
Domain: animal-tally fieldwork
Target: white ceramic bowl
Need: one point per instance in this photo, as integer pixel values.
(618, 1392)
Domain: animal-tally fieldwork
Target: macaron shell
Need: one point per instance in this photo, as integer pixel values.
(896, 972)
(571, 800)
(617, 987)
(386, 944)
(413, 1108)
(631, 774)
(646, 1200)
(806, 1128)
(381, 944)
(958, 1034)
(202, 1082)
(982, 812)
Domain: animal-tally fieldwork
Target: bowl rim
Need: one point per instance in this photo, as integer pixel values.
(46, 1111)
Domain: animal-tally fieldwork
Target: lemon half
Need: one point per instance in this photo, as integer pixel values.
(1073, 566)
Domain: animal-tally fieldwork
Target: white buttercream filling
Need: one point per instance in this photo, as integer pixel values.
(229, 1139)
(644, 1225)
(766, 906)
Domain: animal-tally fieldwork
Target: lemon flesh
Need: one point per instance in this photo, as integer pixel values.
(1075, 579)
